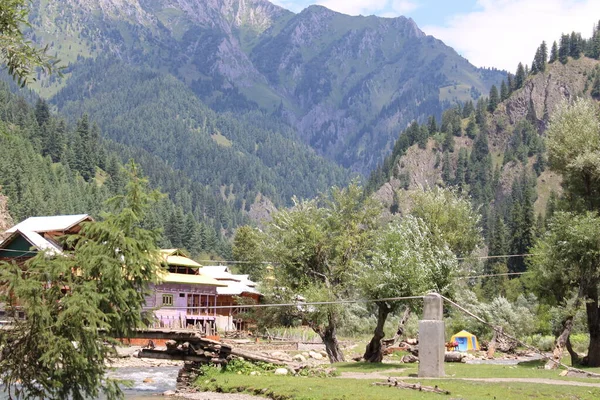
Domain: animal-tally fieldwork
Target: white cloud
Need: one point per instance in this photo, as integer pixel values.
(502, 33)
(369, 7)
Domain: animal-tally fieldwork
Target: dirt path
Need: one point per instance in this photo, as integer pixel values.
(382, 375)
(525, 380)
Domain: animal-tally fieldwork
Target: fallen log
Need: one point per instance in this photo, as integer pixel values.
(454, 356)
(257, 357)
(180, 356)
(392, 382)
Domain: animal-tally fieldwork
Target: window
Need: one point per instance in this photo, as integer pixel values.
(167, 299)
(181, 294)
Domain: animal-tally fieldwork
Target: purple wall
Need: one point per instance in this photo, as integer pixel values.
(178, 315)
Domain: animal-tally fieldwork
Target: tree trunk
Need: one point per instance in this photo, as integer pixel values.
(593, 318)
(400, 328)
(492, 345)
(574, 356)
(560, 343)
(374, 350)
(332, 346)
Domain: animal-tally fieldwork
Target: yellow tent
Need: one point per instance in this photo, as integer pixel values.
(466, 341)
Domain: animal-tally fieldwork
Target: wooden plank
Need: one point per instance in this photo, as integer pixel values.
(178, 356)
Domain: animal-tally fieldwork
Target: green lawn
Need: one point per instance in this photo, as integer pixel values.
(338, 388)
(302, 388)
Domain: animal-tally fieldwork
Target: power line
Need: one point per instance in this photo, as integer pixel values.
(490, 275)
(297, 304)
(492, 257)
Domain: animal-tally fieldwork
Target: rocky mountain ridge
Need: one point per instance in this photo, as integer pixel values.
(535, 102)
(347, 85)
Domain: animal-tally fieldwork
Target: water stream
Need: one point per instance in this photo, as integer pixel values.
(158, 380)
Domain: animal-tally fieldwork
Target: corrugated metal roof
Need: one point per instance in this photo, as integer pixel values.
(235, 288)
(219, 272)
(36, 240)
(49, 224)
(190, 279)
(182, 261)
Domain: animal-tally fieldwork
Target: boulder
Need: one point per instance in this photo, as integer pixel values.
(281, 371)
(148, 380)
(280, 355)
(299, 358)
(169, 393)
(315, 355)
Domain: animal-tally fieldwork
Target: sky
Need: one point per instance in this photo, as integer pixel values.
(489, 33)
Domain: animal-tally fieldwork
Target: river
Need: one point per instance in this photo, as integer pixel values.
(158, 380)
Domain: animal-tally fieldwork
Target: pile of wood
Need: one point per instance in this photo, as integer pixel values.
(393, 382)
(201, 350)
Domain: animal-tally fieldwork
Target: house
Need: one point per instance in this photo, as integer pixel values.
(186, 298)
(235, 287)
(35, 234)
(187, 295)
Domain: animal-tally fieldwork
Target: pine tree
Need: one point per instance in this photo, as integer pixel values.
(446, 168)
(192, 240)
(543, 57)
(77, 304)
(522, 225)
(448, 142)
(461, 168)
(510, 83)
(520, 77)
(564, 49)
(595, 92)
(554, 52)
(480, 112)
(423, 136)
(432, 125)
(494, 99)
(534, 64)
(503, 91)
(472, 129)
(575, 45)
(42, 112)
(468, 109)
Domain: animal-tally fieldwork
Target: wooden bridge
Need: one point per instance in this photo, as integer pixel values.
(186, 345)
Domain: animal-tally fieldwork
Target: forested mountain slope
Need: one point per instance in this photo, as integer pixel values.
(49, 167)
(493, 151)
(344, 84)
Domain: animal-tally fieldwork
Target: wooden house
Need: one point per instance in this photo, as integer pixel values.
(35, 234)
(185, 298)
(235, 287)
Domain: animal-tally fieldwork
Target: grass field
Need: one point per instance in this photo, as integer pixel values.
(346, 387)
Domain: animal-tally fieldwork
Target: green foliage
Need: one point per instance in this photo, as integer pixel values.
(574, 150)
(245, 367)
(318, 245)
(408, 259)
(566, 255)
(20, 55)
(494, 99)
(450, 217)
(74, 304)
(247, 248)
(42, 175)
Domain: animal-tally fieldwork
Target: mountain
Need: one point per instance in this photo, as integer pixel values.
(344, 85)
(496, 156)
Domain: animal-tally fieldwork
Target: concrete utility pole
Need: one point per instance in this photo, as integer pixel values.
(431, 338)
